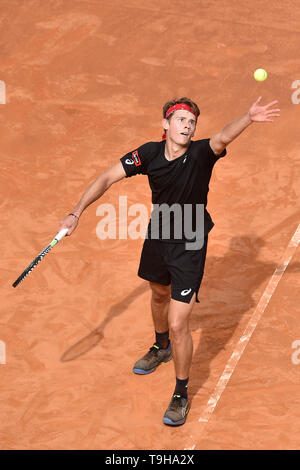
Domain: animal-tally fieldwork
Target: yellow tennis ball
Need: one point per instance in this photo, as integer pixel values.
(260, 75)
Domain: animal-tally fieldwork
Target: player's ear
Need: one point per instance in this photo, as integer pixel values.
(165, 124)
(194, 130)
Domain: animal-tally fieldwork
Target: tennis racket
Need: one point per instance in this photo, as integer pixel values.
(40, 256)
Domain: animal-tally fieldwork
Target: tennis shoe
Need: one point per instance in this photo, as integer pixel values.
(177, 411)
(152, 359)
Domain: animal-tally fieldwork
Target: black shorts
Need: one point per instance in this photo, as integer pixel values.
(167, 262)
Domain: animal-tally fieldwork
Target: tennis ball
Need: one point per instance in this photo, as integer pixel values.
(260, 75)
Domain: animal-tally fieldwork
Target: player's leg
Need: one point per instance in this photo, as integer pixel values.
(161, 351)
(180, 335)
(152, 268)
(182, 349)
(160, 300)
(186, 268)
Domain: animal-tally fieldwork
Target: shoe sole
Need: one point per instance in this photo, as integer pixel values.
(145, 372)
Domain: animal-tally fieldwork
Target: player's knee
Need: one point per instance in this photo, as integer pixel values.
(160, 293)
(178, 328)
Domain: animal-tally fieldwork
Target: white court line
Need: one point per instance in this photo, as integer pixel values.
(244, 339)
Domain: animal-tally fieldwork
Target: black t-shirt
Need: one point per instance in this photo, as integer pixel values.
(182, 181)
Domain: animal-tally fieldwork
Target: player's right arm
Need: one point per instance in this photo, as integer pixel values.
(92, 193)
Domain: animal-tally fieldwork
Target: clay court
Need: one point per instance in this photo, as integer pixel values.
(83, 82)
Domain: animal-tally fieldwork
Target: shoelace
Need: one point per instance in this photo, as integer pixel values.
(154, 349)
(176, 401)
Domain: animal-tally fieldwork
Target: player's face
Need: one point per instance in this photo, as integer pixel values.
(181, 127)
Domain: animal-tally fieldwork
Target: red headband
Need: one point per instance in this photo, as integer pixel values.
(176, 107)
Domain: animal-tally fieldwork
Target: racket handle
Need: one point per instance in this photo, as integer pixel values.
(61, 234)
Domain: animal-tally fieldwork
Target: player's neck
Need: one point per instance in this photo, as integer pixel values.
(174, 150)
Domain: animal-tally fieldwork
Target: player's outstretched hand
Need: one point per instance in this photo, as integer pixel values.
(70, 222)
(259, 113)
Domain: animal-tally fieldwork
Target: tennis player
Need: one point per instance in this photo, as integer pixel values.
(174, 251)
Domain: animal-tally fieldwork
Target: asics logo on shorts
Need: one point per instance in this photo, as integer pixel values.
(185, 291)
(129, 161)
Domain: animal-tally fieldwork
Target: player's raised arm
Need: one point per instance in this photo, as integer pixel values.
(256, 113)
(92, 193)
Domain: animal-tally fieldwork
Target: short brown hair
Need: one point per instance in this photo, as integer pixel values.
(178, 101)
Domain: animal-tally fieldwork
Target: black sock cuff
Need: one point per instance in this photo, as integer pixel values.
(181, 387)
(162, 337)
(182, 382)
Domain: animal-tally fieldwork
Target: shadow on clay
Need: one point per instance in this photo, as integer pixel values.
(87, 343)
(232, 280)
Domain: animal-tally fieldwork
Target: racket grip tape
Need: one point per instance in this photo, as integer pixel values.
(59, 236)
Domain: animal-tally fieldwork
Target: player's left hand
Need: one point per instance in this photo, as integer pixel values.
(259, 113)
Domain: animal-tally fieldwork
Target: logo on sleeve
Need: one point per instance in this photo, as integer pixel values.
(129, 161)
(136, 158)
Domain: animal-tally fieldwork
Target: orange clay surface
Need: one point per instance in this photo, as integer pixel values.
(85, 84)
